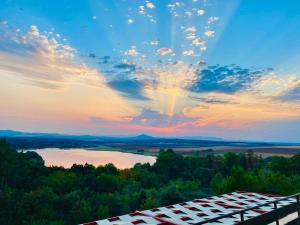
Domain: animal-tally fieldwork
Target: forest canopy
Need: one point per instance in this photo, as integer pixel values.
(33, 194)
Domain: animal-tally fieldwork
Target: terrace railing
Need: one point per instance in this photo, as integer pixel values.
(265, 218)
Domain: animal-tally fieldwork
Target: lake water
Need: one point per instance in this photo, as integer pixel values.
(67, 157)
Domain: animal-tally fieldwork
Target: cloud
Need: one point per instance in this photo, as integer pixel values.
(245, 110)
(226, 79)
(142, 9)
(188, 53)
(155, 42)
(212, 19)
(203, 48)
(190, 36)
(292, 93)
(148, 120)
(191, 29)
(40, 59)
(104, 60)
(209, 33)
(132, 51)
(151, 118)
(164, 51)
(150, 5)
(126, 66)
(130, 88)
(123, 78)
(200, 12)
(92, 55)
(198, 42)
(214, 99)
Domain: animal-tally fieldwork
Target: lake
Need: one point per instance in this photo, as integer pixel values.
(67, 157)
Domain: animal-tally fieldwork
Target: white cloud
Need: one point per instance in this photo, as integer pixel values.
(164, 51)
(141, 9)
(188, 53)
(150, 5)
(190, 36)
(209, 33)
(188, 13)
(191, 29)
(200, 12)
(130, 21)
(198, 42)
(155, 42)
(212, 19)
(203, 49)
(132, 51)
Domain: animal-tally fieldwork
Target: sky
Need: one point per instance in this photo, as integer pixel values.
(166, 68)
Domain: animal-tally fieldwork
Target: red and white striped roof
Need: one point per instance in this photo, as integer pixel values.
(199, 210)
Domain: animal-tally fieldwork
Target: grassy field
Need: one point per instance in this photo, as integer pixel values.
(264, 151)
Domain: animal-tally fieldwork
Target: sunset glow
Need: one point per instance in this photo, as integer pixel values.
(165, 68)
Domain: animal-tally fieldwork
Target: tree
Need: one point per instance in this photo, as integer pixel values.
(169, 164)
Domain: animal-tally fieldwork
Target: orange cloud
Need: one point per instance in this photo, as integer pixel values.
(246, 111)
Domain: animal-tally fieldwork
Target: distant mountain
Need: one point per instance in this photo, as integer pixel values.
(143, 137)
(24, 140)
(10, 133)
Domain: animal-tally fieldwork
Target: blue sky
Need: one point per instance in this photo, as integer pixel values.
(166, 68)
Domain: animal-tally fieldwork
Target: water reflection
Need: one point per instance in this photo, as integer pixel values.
(66, 158)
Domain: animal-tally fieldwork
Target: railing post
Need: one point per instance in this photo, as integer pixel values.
(242, 216)
(298, 205)
(275, 207)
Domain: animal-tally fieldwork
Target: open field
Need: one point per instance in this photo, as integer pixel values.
(287, 151)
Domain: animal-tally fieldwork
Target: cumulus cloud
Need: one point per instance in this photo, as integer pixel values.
(209, 33)
(203, 48)
(190, 36)
(150, 5)
(132, 51)
(191, 29)
(198, 42)
(200, 12)
(212, 19)
(188, 53)
(226, 79)
(129, 88)
(164, 51)
(142, 9)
